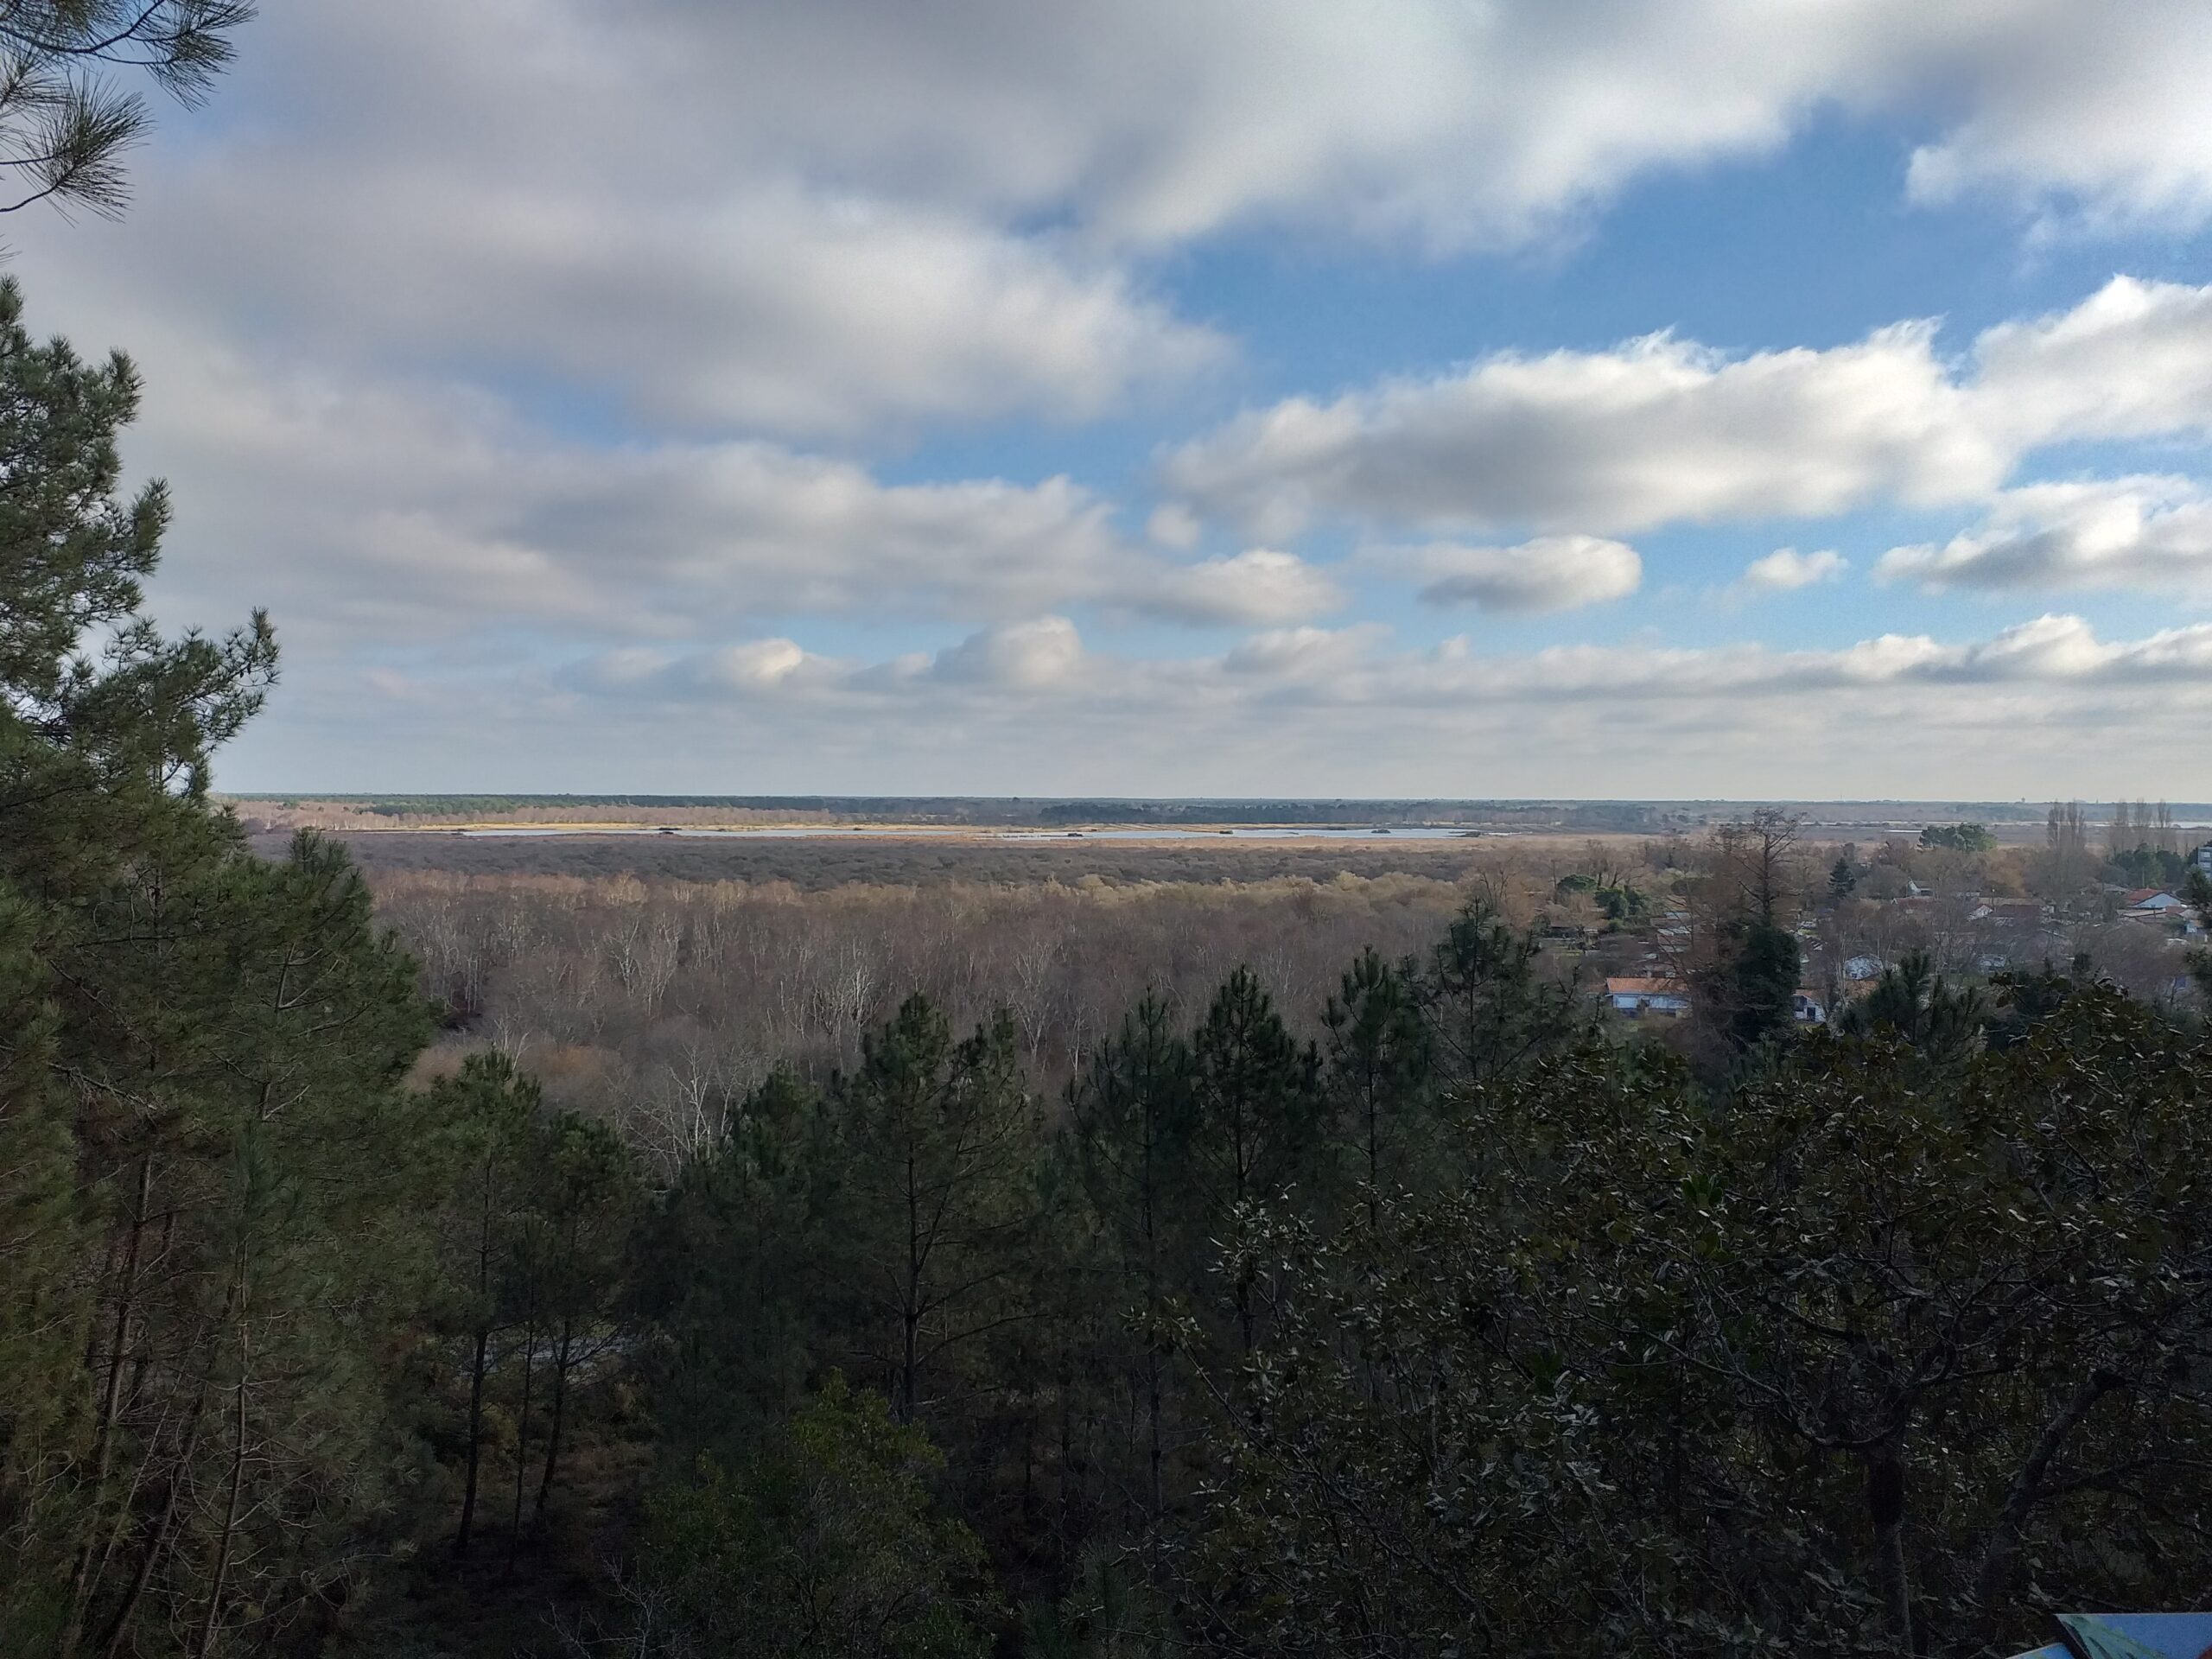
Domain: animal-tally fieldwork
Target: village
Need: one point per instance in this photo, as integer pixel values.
(1953, 901)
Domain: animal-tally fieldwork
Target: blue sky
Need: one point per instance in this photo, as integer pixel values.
(1416, 398)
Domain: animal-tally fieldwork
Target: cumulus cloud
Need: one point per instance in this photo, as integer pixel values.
(1257, 586)
(1036, 655)
(1175, 121)
(2081, 114)
(1786, 570)
(846, 237)
(1173, 524)
(415, 510)
(2126, 532)
(775, 310)
(1656, 431)
(1662, 430)
(1552, 573)
(460, 354)
(2134, 359)
(1309, 654)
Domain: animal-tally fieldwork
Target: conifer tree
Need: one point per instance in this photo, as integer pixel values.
(208, 1166)
(734, 1272)
(938, 1141)
(586, 1190)
(1490, 1008)
(1379, 1066)
(1254, 1113)
(490, 1110)
(1133, 1116)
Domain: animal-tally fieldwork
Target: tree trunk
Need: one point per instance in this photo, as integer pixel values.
(522, 1436)
(2004, 1536)
(1158, 1455)
(1885, 1508)
(82, 1578)
(561, 1361)
(208, 1625)
(119, 1627)
(910, 1314)
(476, 1441)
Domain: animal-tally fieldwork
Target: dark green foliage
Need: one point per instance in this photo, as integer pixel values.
(1489, 1008)
(2148, 866)
(1959, 837)
(733, 1270)
(571, 1259)
(65, 122)
(1850, 1363)
(1843, 879)
(1134, 1114)
(1761, 979)
(831, 1542)
(1255, 1112)
(1912, 1003)
(935, 1141)
(491, 1114)
(216, 1188)
(1618, 901)
(1379, 1071)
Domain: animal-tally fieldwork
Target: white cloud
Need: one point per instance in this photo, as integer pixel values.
(823, 218)
(1257, 586)
(1552, 573)
(1656, 431)
(1786, 570)
(2126, 532)
(758, 663)
(2083, 112)
(1173, 524)
(1173, 121)
(1348, 666)
(1310, 654)
(414, 510)
(2134, 359)
(2037, 702)
(1661, 430)
(771, 309)
(1038, 655)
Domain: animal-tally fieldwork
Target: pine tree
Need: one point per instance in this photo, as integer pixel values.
(1490, 1009)
(938, 1143)
(734, 1272)
(490, 1112)
(1379, 1065)
(1132, 1117)
(586, 1192)
(210, 1171)
(1255, 1108)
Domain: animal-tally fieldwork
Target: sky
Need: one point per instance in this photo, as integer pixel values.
(1568, 397)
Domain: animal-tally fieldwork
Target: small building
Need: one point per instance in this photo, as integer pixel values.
(2151, 901)
(1806, 1009)
(1637, 997)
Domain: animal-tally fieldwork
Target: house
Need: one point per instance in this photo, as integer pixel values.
(2151, 901)
(2201, 859)
(1863, 968)
(1807, 1010)
(1638, 997)
(2007, 912)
